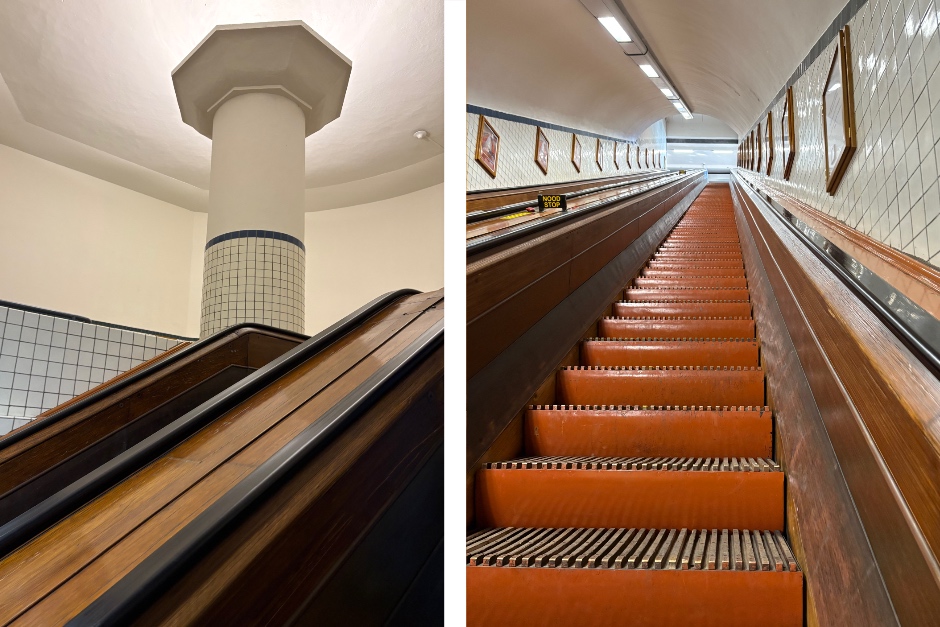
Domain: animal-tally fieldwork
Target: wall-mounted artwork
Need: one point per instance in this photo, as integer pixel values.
(599, 155)
(576, 152)
(646, 157)
(787, 134)
(487, 153)
(616, 164)
(769, 141)
(541, 150)
(838, 109)
(638, 156)
(627, 153)
(753, 165)
(760, 150)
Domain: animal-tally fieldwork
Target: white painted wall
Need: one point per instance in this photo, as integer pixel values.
(357, 253)
(78, 244)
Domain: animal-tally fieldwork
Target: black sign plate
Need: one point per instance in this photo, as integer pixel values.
(554, 202)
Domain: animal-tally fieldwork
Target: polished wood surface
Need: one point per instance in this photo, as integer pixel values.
(918, 281)
(509, 288)
(54, 576)
(42, 452)
(484, 200)
(878, 406)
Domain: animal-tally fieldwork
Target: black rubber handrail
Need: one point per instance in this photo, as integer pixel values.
(40, 517)
(41, 423)
(527, 229)
(131, 595)
(925, 351)
(486, 214)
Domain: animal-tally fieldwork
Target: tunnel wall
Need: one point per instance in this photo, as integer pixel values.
(890, 191)
(516, 166)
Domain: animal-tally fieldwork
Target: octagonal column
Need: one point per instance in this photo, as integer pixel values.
(257, 91)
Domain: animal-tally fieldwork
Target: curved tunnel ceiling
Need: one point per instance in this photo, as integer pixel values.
(551, 59)
(729, 58)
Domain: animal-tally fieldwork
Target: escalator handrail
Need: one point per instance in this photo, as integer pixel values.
(42, 422)
(30, 523)
(527, 229)
(922, 349)
(127, 598)
(479, 216)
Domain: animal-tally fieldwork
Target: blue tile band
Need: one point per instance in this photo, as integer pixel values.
(284, 237)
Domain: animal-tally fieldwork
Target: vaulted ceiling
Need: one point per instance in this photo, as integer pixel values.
(552, 60)
(97, 75)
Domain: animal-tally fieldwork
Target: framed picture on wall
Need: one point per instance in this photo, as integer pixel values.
(638, 156)
(576, 152)
(541, 149)
(787, 134)
(626, 152)
(616, 164)
(753, 164)
(487, 152)
(646, 157)
(760, 149)
(769, 141)
(838, 110)
(599, 155)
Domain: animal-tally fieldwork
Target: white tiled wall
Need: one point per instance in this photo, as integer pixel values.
(253, 279)
(891, 190)
(47, 360)
(516, 166)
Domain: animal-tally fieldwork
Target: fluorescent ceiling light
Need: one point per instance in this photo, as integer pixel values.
(678, 105)
(668, 93)
(648, 70)
(614, 28)
(687, 115)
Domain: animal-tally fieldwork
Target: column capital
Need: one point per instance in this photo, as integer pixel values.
(284, 58)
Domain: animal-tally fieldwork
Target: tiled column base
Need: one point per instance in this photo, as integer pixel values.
(253, 276)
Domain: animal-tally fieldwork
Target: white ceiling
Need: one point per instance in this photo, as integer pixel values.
(98, 73)
(552, 60)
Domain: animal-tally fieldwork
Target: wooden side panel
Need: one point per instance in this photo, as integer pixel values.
(814, 421)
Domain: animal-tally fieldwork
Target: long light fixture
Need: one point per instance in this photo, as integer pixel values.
(611, 14)
(614, 28)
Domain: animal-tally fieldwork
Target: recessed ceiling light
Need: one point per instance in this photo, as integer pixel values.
(614, 28)
(648, 70)
(668, 93)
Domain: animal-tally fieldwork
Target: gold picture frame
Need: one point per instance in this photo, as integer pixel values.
(769, 141)
(542, 147)
(576, 152)
(760, 150)
(838, 111)
(599, 155)
(638, 157)
(616, 164)
(787, 134)
(646, 157)
(753, 165)
(487, 152)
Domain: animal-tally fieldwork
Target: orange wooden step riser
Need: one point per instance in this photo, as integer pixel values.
(660, 387)
(674, 255)
(627, 328)
(652, 433)
(682, 265)
(592, 597)
(665, 353)
(690, 281)
(704, 310)
(687, 294)
(650, 499)
(692, 272)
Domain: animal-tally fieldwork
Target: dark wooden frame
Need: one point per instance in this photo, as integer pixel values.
(616, 164)
(759, 164)
(842, 55)
(479, 149)
(789, 152)
(769, 137)
(599, 155)
(576, 152)
(541, 137)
